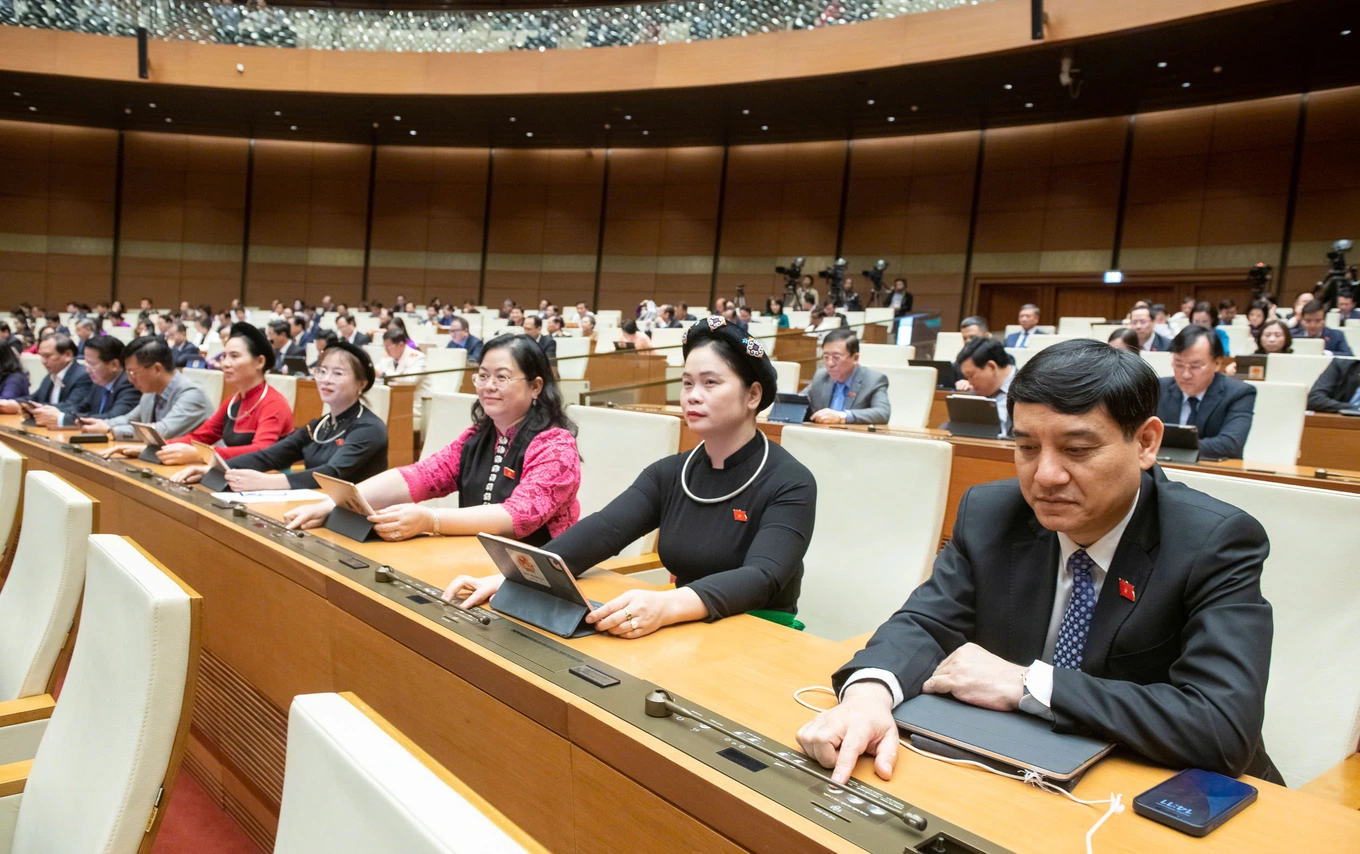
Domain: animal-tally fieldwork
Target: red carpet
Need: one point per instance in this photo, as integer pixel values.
(194, 824)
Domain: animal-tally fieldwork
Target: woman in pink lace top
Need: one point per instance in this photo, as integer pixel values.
(516, 470)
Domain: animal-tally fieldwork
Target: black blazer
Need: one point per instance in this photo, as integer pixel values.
(185, 353)
(1160, 343)
(118, 399)
(73, 392)
(548, 345)
(1179, 674)
(360, 339)
(1224, 417)
(1334, 389)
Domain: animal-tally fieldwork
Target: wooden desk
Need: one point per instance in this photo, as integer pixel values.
(573, 776)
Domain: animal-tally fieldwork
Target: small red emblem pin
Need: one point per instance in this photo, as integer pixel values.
(510, 473)
(339, 442)
(739, 515)
(1126, 590)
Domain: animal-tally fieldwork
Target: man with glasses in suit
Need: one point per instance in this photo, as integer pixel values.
(1198, 394)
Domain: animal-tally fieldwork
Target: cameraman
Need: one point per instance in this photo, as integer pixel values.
(900, 299)
(806, 291)
(850, 300)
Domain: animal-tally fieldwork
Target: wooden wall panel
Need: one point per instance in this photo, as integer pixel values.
(309, 211)
(429, 209)
(543, 232)
(660, 226)
(1329, 187)
(56, 213)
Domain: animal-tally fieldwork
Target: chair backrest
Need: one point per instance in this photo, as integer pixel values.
(1240, 342)
(122, 333)
(947, 346)
(1277, 425)
(285, 385)
(11, 488)
(1103, 331)
(39, 599)
(911, 391)
(1313, 698)
(349, 784)
(33, 366)
(1160, 360)
(788, 373)
(572, 356)
(449, 414)
(1309, 346)
(1352, 332)
(115, 739)
(1040, 342)
(1021, 355)
(210, 381)
(1079, 327)
(450, 359)
(1294, 368)
(856, 574)
(379, 400)
(608, 317)
(615, 446)
(884, 355)
(313, 352)
(670, 339)
(798, 319)
(1332, 318)
(377, 352)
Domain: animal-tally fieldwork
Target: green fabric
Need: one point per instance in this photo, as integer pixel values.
(783, 618)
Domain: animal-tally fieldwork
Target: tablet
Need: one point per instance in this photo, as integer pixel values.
(539, 590)
(789, 408)
(1180, 444)
(344, 494)
(973, 416)
(147, 434)
(211, 458)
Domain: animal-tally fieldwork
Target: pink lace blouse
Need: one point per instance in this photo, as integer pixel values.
(547, 489)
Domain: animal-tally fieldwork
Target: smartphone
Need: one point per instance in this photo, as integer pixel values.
(1195, 801)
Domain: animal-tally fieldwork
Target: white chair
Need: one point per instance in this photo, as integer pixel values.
(1240, 342)
(453, 360)
(1077, 327)
(126, 333)
(38, 603)
(572, 356)
(853, 580)
(313, 353)
(210, 381)
(284, 385)
(1160, 360)
(352, 784)
(947, 346)
(11, 490)
(1352, 333)
(1332, 318)
(376, 352)
(669, 339)
(214, 346)
(798, 319)
(379, 400)
(1240, 320)
(33, 366)
(1313, 700)
(885, 355)
(911, 391)
(450, 413)
(1020, 355)
(1308, 347)
(103, 775)
(1102, 331)
(1293, 368)
(788, 373)
(615, 446)
(1277, 423)
(1041, 342)
(608, 317)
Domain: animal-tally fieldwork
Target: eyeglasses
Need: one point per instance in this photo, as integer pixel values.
(834, 358)
(331, 374)
(498, 382)
(1191, 367)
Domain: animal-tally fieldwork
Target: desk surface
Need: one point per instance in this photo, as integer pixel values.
(573, 775)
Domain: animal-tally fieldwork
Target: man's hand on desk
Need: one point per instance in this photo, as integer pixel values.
(95, 425)
(8, 407)
(178, 454)
(119, 450)
(189, 474)
(47, 416)
(862, 723)
(828, 416)
(975, 676)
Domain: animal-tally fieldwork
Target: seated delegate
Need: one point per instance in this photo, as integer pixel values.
(515, 471)
(348, 442)
(13, 377)
(987, 368)
(111, 392)
(252, 419)
(844, 391)
(1091, 592)
(1338, 388)
(66, 381)
(735, 514)
(1198, 394)
(170, 403)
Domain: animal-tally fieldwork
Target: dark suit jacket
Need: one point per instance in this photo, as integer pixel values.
(473, 345)
(1014, 337)
(77, 386)
(361, 339)
(548, 345)
(1224, 417)
(1160, 343)
(118, 399)
(185, 353)
(1334, 340)
(1334, 389)
(868, 396)
(1179, 674)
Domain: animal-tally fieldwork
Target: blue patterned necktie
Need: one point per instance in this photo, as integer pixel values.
(1194, 411)
(1076, 622)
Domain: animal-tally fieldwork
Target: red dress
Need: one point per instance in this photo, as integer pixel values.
(248, 425)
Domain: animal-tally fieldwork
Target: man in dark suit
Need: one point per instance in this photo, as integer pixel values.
(987, 370)
(844, 391)
(1313, 324)
(1140, 321)
(533, 328)
(85, 330)
(1029, 323)
(111, 392)
(1345, 304)
(347, 331)
(1220, 407)
(461, 339)
(282, 344)
(1338, 388)
(66, 381)
(1091, 592)
(183, 352)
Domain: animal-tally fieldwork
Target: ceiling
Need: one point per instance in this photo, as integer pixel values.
(1260, 51)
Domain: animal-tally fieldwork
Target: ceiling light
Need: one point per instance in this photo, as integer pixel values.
(1161, 65)
(746, 112)
(914, 108)
(607, 126)
(892, 118)
(1029, 104)
(127, 110)
(512, 118)
(1007, 87)
(396, 118)
(1218, 69)
(627, 118)
(529, 133)
(413, 133)
(152, 106)
(1185, 85)
(1345, 32)
(18, 94)
(33, 109)
(871, 102)
(764, 127)
(278, 112)
(645, 132)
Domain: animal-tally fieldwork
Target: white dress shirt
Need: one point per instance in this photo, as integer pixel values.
(1039, 678)
(58, 383)
(1023, 340)
(1002, 395)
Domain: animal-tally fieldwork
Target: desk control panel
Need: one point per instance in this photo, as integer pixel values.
(856, 811)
